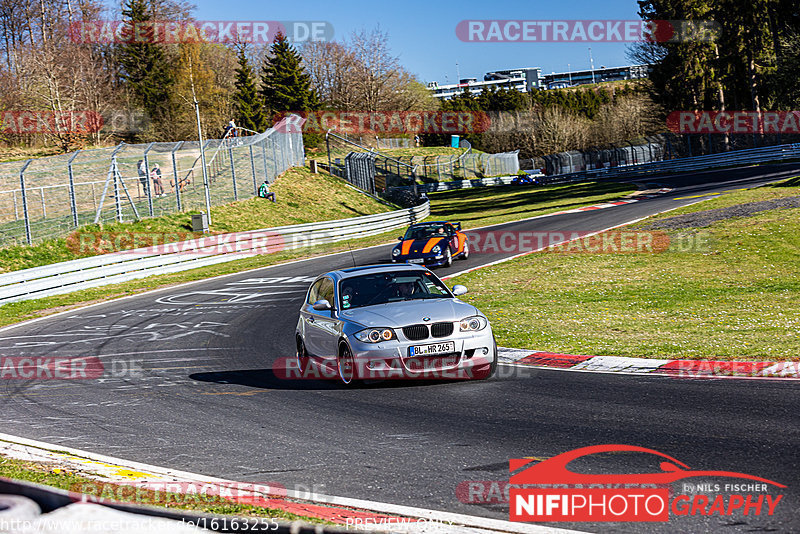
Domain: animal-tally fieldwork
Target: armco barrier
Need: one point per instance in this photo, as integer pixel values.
(711, 161)
(463, 184)
(113, 268)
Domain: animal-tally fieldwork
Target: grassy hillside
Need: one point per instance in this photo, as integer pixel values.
(302, 197)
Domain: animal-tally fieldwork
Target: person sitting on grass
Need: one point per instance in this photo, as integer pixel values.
(264, 191)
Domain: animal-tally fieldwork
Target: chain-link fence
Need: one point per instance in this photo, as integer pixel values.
(50, 197)
(396, 171)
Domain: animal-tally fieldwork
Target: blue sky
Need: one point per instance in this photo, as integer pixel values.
(422, 33)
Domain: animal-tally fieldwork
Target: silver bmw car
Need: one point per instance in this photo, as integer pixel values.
(391, 322)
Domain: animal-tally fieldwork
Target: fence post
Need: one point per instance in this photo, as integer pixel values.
(264, 156)
(328, 148)
(175, 176)
(147, 190)
(117, 203)
(253, 170)
(25, 202)
(233, 175)
(73, 205)
(44, 207)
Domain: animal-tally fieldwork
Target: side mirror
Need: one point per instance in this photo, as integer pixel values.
(322, 305)
(459, 290)
(400, 238)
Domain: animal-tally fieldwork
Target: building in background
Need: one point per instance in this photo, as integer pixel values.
(529, 78)
(523, 79)
(559, 80)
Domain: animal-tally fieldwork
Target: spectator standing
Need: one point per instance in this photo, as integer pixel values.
(141, 168)
(155, 175)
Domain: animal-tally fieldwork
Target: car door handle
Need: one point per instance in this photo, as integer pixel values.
(310, 319)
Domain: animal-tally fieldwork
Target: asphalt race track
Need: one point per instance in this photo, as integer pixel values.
(189, 384)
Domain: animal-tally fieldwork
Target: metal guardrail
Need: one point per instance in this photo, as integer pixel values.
(434, 187)
(711, 161)
(124, 266)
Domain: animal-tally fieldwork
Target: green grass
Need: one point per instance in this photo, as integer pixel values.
(50, 475)
(302, 197)
(481, 206)
(737, 300)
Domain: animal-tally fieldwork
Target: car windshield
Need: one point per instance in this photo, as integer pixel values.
(425, 231)
(381, 288)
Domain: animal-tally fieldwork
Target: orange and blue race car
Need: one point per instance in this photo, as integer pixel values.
(433, 244)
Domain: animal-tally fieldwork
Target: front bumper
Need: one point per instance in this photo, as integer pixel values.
(427, 260)
(391, 359)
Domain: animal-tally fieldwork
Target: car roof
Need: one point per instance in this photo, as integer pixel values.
(430, 223)
(369, 269)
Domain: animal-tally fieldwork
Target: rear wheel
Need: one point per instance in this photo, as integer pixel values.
(346, 365)
(465, 254)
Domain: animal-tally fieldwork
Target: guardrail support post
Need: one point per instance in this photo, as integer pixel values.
(25, 202)
(73, 205)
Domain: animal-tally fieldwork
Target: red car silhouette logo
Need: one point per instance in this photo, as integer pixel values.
(554, 470)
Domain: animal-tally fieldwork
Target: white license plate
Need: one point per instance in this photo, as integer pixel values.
(433, 348)
(416, 260)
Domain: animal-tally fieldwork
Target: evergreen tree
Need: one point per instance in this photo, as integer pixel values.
(285, 86)
(144, 67)
(246, 100)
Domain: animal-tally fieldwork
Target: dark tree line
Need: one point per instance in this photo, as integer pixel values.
(751, 63)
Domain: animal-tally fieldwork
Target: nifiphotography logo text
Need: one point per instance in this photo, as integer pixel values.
(550, 491)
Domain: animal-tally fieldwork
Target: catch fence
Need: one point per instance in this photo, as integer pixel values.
(50, 197)
(377, 172)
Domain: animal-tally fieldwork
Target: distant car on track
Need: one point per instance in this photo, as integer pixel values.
(524, 180)
(392, 322)
(432, 244)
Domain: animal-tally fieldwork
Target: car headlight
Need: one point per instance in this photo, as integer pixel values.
(437, 249)
(375, 335)
(395, 252)
(474, 323)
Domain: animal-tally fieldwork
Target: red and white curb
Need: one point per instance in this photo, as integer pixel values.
(673, 368)
(354, 514)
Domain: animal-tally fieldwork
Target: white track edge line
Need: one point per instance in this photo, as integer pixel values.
(408, 511)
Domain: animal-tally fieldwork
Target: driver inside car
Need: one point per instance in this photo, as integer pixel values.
(406, 289)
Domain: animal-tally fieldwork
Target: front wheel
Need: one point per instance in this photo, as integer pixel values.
(346, 365)
(302, 357)
(448, 257)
